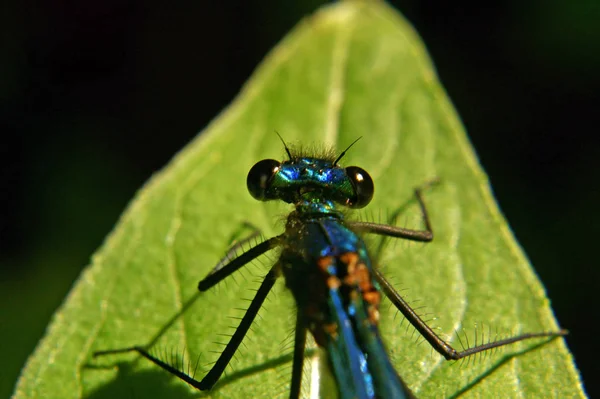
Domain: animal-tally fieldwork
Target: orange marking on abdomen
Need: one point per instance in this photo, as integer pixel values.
(372, 297)
(373, 314)
(324, 262)
(350, 259)
(333, 283)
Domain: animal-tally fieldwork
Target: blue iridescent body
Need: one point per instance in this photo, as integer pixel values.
(330, 274)
(328, 270)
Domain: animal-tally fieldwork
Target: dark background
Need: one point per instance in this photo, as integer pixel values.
(96, 96)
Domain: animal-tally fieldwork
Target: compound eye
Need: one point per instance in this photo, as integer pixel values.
(363, 186)
(260, 176)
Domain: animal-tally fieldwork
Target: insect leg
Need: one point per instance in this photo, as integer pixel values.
(237, 244)
(218, 274)
(299, 346)
(236, 339)
(400, 232)
(213, 278)
(441, 346)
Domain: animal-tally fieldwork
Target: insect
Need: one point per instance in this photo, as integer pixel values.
(327, 268)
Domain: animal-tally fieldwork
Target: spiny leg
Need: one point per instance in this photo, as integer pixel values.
(236, 244)
(236, 339)
(299, 346)
(214, 277)
(232, 346)
(441, 346)
(434, 340)
(400, 232)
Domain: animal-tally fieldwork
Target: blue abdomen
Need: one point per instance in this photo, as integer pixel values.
(331, 277)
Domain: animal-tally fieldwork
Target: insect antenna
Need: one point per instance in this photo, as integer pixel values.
(344, 152)
(284, 145)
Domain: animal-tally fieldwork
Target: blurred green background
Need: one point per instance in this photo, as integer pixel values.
(96, 96)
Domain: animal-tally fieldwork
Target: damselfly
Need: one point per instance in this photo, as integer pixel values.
(327, 268)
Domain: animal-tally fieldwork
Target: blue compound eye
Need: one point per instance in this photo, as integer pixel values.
(260, 177)
(363, 186)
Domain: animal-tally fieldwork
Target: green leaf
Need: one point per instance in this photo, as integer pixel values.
(352, 69)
